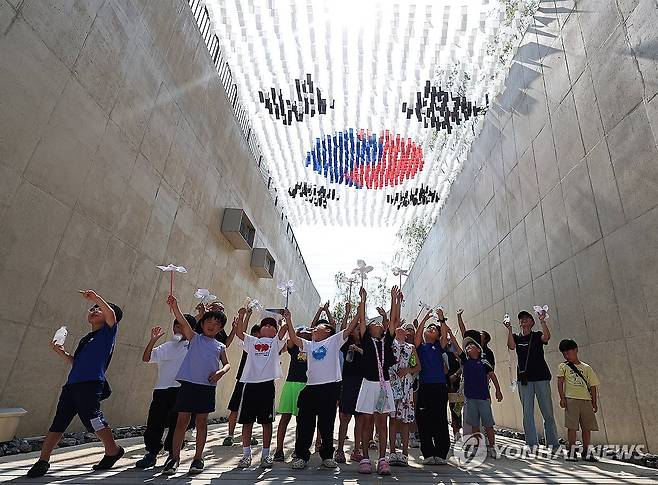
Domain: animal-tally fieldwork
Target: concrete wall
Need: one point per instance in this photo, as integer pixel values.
(118, 151)
(556, 205)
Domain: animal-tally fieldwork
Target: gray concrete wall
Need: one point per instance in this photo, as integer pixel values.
(556, 204)
(118, 151)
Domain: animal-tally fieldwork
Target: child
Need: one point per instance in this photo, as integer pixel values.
(295, 382)
(86, 385)
(204, 365)
(376, 396)
(577, 384)
(432, 403)
(261, 369)
(402, 379)
(352, 375)
(317, 401)
(477, 372)
(169, 357)
(215, 306)
(236, 396)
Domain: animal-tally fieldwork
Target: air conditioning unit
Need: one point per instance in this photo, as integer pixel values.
(238, 229)
(262, 263)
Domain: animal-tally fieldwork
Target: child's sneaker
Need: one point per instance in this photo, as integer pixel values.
(440, 461)
(279, 456)
(356, 456)
(403, 460)
(329, 463)
(228, 441)
(39, 469)
(414, 443)
(171, 467)
(429, 460)
(245, 462)
(365, 466)
(393, 459)
(196, 467)
(266, 462)
(339, 456)
(149, 460)
(298, 464)
(383, 467)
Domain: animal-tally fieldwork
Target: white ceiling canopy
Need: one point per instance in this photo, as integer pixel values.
(364, 109)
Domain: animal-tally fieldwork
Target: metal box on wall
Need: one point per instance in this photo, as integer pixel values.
(238, 229)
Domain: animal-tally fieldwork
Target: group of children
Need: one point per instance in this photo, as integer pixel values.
(389, 375)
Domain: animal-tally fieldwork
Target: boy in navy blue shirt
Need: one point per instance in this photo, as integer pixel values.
(477, 372)
(86, 385)
(432, 403)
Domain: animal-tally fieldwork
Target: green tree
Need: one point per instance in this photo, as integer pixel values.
(411, 236)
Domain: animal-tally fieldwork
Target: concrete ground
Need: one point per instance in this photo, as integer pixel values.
(73, 466)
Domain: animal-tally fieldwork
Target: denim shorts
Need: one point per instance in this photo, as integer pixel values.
(478, 411)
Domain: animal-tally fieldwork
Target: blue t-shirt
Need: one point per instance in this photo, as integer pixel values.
(476, 380)
(92, 355)
(203, 359)
(431, 363)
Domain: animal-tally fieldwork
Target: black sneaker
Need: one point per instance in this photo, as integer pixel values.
(39, 469)
(279, 456)
(108, 462)
(196, 467)
(149, 460)
(171, 467)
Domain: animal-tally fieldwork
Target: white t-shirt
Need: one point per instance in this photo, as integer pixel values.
(323, 359)
(263, 360)
(169, 356)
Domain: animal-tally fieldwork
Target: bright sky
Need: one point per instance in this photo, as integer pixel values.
(330, 249)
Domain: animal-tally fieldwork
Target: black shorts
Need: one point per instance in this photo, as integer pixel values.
(195, 398)
(349, 395)
(257, 403)
(234, 402)
(83, 399)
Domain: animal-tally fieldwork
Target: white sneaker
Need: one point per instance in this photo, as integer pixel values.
(439, 461)
(245, 462)
(403, 460)
(329, 463)
(298, 464)
(393, 459)
(414, 443)
(266, 462)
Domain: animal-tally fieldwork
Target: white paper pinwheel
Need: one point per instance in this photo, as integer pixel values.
(204, 295)
(173, 267)
(539, 309)
(255, 306)
(286, 288)
(506, 318)
(400, 272)
(423, 307)
(348, 281)
(362, 270)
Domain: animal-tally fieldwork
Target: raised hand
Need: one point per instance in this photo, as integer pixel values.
(156, 333)
(542, 315)
(172, 301)
(439, 314)
(200, 308)
(348, 308)
(286, 315)
(59, 349)
(460, 312)
(382, 312)
(325, 307)
(90, 295)
(242, 312)
(363, 293)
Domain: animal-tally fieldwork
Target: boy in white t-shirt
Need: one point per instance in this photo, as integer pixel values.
(262, 368)
(168, 357)
(317, 401)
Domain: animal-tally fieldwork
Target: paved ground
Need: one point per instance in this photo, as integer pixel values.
(73, 466)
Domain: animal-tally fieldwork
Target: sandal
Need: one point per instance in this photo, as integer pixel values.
(356, 456)
(365, 467)
(383, 467)
(339, 456)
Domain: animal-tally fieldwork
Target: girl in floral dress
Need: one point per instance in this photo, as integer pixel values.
(402, 378)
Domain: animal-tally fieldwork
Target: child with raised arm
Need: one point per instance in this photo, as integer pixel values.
(236, 396)
(86, 385)
(317, 401)
(477, 372)
(432, 403)
(169, 356)
(402, 379)
(262, 368)
(204, 365)
(376, 396)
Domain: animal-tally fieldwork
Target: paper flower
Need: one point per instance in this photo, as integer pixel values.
(204, 295)
(539, 309)
(286, 287)
(173, 267)
(506, 318)
(348, 281)
(255, 305)
(362, 270)
(400, 272)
